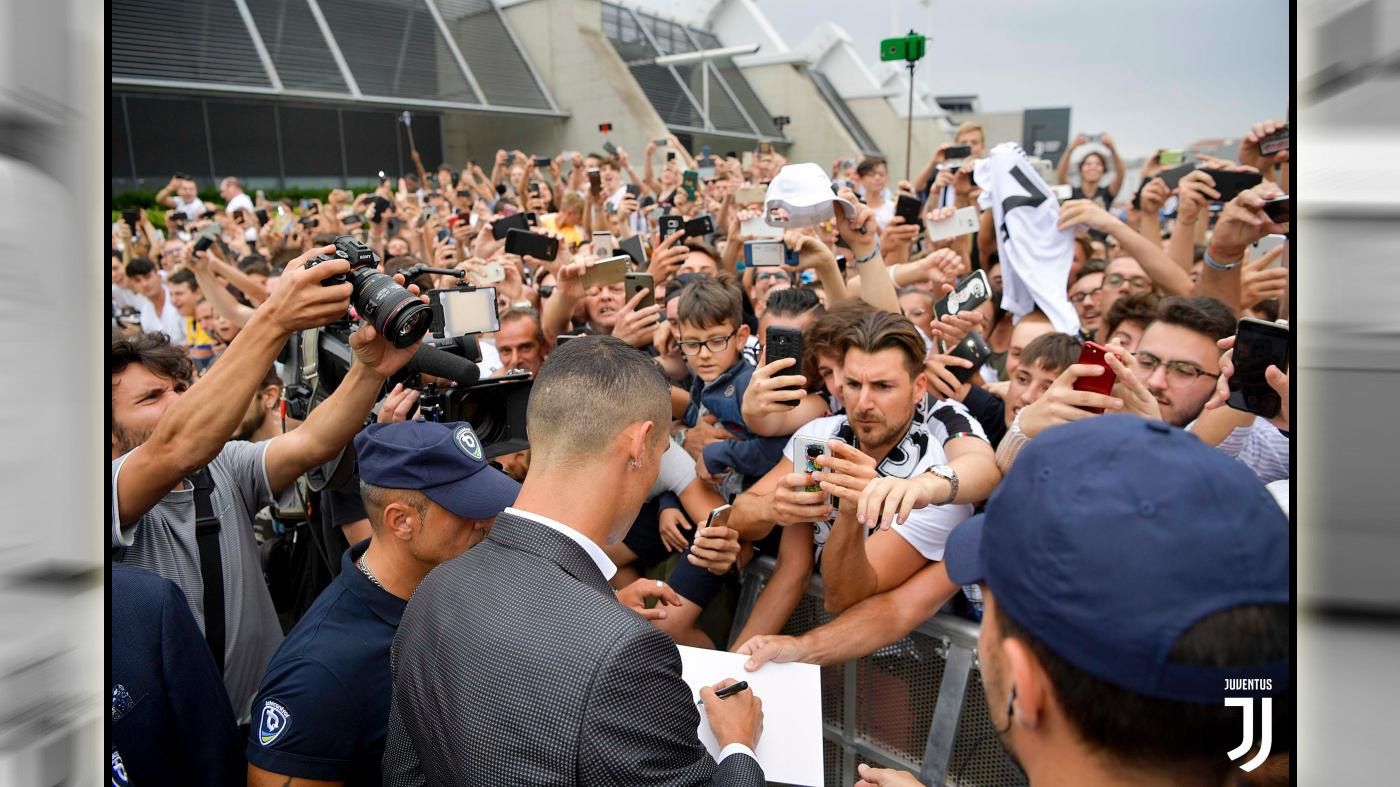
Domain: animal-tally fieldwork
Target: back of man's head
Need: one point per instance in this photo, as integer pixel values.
(882, 330)
(1199, 313)
(828, 334)
(793, 302)
(586, 394)
(709, 302)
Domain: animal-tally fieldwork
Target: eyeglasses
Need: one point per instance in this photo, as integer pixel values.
(714, 344)
(779, 275)
(915, 312)
(1117, 279)
(1183, 372)
(1079, 297)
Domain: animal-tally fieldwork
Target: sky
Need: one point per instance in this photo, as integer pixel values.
(1150, 74)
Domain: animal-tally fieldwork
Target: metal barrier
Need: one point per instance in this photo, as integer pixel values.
(916, 704)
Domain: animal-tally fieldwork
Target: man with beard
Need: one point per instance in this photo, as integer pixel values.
(1127, 599)
(260, 421)
(1178, 359)
(184, 496)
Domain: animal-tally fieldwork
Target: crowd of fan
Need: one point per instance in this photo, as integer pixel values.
(922, 439)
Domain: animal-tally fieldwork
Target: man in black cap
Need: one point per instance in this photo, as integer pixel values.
(1131, 604)
(323, 708)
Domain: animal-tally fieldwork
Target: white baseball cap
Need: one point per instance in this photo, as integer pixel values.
(803, 192)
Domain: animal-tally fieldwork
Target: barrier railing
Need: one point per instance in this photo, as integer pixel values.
(916, 704)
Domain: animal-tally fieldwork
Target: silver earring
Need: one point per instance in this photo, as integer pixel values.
(634, 464)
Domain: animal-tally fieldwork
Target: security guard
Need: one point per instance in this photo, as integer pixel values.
(323, 708)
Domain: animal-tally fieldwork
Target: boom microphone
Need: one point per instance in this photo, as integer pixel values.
(429, 360)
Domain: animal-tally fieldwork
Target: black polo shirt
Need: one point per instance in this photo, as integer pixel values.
(322, 711)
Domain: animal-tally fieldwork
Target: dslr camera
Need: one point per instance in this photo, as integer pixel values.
(397, 314)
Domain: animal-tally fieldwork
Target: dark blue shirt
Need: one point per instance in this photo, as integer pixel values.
(323, 709)
(171, 719)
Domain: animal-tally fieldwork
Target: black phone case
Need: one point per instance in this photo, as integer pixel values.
(973, 348)
(967, 304)
(500, 227)
(1279, 211)
(522, 242)
(1230, 183)
(1257, 346)
(633, 248)
(957, 151)
(909, 208)
(783, 342)
(670, 224)
(1174, 175)
(699, 227)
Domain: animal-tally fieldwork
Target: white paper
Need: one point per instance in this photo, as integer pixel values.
(790, 748)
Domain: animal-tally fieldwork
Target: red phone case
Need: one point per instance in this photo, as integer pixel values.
(1093, 353)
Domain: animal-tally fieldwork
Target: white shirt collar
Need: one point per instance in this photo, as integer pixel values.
(600, 558)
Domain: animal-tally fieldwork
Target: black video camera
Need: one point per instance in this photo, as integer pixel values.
(397, 314)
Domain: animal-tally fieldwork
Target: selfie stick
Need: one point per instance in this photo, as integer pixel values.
(406, 118)
(910, 49)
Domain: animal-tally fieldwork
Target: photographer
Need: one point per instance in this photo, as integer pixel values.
(170, 459)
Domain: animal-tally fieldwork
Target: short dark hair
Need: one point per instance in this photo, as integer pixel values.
(1186, 738)
(709, 302)
(1092, 265)
(1053, 352)
(255, 266)
(868, 164)
(154, 352)
(251, 260)
(140, 266)
(587, 392)
(793, 302)
(883, 330)
(186, 277)
(1199, 313)
(1140, 308)
(378, 498)
(696, 244)
(517, 313)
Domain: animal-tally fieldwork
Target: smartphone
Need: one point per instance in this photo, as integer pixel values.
(690, 181)
(970, 293)
(1279, 210)
(606, 272)
(1062, 191)
(542, 162)
(670, 224)
(749, 195)
(501, 227)
(1093, 353)
(1258, 345)
(603, 244)
(465, 311)
(1173, 176)
(131, 216)
(756, 227)
(492, 272)
(955, 152)
(632, 247)
(764, 253)
(962, 222)
(353, 219)
(609, 147)
(260, 196)
(662, 142)
(307, 221)
(634, 283)
(1170, 158)
(559, 340)
(604, 128)
(719, 517)
(1266, 244)
(522, 242)
(261, 215)
(1230, 183)
(1276, 142)
(632, 190)
(808, 452)
(705, 168)
(595, 181)
(908, 207)
(700, 226)
(746, 160)
(783, 342)
(444, 235)
(973, 348)
(670, 155)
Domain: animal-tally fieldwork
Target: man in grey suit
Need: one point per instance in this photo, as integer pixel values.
(514, 663)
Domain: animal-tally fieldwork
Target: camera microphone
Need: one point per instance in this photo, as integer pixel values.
(438, 363)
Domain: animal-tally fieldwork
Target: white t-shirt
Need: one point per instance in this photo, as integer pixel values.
(169, 322)
(1035, 255)
(638, 220)
(192, 209)
(928, 528)
(677, 471)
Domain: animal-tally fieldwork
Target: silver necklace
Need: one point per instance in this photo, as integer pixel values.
(370, 574)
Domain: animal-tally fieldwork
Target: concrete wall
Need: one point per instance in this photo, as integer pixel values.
(563, 39)
(888, 129)
(816, 132)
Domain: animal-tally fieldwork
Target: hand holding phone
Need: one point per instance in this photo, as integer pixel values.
(523, 242)
(782, 342)
(970, 293)
(1258, 345)
(1093, 355)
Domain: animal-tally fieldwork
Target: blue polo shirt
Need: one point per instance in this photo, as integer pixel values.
(323, 709)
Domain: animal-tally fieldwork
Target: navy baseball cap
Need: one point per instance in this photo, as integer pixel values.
(1112, 536)
(445, 462)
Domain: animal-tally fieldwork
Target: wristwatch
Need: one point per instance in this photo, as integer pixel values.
(951, 476)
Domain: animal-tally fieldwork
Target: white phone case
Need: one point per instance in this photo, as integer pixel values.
(963, 222)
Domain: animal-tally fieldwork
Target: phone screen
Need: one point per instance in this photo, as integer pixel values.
(469, 311)
(1258, 345)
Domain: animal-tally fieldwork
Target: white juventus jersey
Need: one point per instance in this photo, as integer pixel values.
(1035, 256)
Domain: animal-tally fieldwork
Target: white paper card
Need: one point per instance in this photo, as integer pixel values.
(790, 749)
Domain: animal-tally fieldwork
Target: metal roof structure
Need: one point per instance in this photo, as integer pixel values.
(431, 54)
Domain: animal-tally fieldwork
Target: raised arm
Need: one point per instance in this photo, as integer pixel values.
(1241, 223)
(222, 301)
(1118, 169)
(1062, 169)
(1164, 272)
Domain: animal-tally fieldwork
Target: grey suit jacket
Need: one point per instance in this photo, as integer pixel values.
(515, 664)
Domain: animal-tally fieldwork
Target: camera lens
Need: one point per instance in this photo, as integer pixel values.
(397, 314)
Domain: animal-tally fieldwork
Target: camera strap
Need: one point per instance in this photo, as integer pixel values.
(310, 341)
(211, 567)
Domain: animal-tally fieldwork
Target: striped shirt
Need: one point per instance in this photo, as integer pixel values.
(1261, 447)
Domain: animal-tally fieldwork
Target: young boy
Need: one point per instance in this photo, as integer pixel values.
(711, 339)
